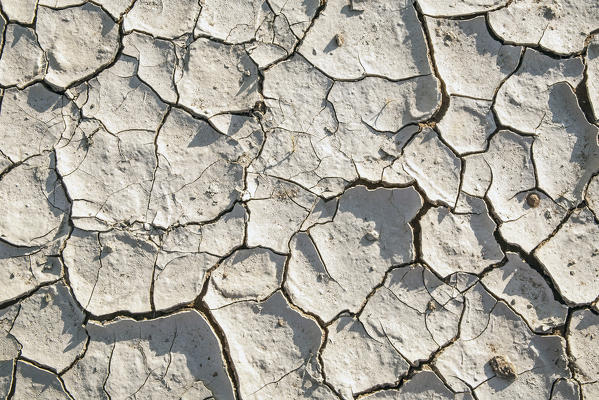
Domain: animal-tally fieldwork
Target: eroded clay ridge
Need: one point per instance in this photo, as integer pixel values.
(299, 199)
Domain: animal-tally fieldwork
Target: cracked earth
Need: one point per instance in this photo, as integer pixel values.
(299, 199)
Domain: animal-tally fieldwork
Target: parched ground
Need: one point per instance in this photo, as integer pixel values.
(299, 199)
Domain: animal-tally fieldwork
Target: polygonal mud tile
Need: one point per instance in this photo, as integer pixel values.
(583, 333)
(566, 152)
(565, 389)
(385, 105)
(469, 60)
(121, 101)
(9, 349)
(555, 26)
(217, 78)
(109, 177)
(521, 101)
(248, 274)
(218, 238)
(592, 195)
(49, 326)
(32, 382)
(162, 19)
(23, 61)
(21, 11)
(498, 355)
(276, 343)
(343, 44)
(179, 277)
(527, 292)
(200, 171)
(111, 271)
(335, 265)
(277, 209)
(570, 258)
(433, 165)
(512, 180)
(592, 59)
(173, 357)
(467, 124)
(232, 22)
(116, 8)
(454, 242)
(23, 269)
(414, 311)
(34, 204)
(354, 362)
(78, 42)
(298, 14)
(424, 384)
(34, 120)
(157, 61)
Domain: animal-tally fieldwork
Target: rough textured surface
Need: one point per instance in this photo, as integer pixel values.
(299, 199)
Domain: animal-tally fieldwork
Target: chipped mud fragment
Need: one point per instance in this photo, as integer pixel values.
(395, 50)
(173, 357)
(76, 50)
(502, 367)
(569, 257)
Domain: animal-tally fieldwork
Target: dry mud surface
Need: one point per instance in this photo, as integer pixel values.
(299, 199)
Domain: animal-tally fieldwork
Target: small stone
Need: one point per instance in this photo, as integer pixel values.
(372, 236)
(533, 200)
(502, 367)
(339, 39)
